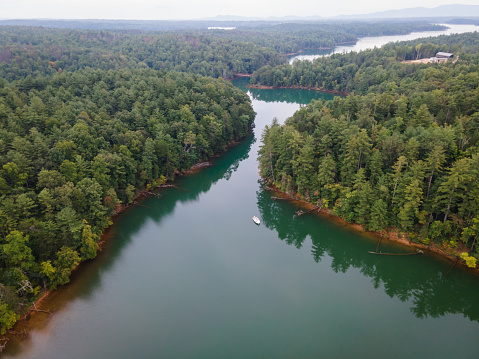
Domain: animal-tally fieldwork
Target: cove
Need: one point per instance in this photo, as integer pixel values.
(189, 275)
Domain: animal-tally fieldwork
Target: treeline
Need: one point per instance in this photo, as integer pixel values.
(28, 51)
(75, 146)
(404, 155)
(33, 51)
(288, 38)
(369, 70)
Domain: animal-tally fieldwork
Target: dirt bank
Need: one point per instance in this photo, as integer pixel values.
(36, 315)
(392, 235)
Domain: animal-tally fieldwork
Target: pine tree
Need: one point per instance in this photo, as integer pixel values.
(452, 190)
(379, 214)
(326, 175)
(434, 164)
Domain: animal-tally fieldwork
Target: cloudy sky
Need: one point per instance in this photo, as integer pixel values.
(194, 9)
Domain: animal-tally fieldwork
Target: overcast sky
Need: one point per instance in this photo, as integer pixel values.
(191, 9)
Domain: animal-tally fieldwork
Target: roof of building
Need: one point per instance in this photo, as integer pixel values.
(444, 54)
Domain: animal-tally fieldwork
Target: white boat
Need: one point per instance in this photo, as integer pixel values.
(256, 220)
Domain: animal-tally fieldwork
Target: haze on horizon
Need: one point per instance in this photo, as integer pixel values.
(189, 9)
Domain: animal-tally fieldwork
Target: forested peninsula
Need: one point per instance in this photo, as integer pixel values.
(399, 153)
(91, 118)
(83, 131)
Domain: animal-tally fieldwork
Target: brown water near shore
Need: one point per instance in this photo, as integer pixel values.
(36, 317)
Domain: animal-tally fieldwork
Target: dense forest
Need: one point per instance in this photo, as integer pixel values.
(74, 146)
(400, 154)
(89, 119)
(35, 51)
(288, 38)
(30, 51)
(359, 71)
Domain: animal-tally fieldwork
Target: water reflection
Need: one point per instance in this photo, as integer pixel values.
(191, 187)
(158, 209)
(292, 96)
(421, 280)
(203, 274)
(92, 276)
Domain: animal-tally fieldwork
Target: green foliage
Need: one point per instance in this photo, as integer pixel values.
(90, 119)
(47, 269)
(292, 37)
(470, 261)
(89, 245)
(84, 127)
(402, 154)
(59, 273)
(51, 51)
(8, 317)
(381, 70)
(16, 252)
(98, 148)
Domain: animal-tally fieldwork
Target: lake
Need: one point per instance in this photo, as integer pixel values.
(189, 275)
(365, 43)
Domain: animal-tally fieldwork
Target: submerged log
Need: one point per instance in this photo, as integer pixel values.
(379, 243)
(140, 205)
(2, 346)
(398, 254)
(281, 199)
(167, 186)
(42, 311)
(450, 269)
(300, 213)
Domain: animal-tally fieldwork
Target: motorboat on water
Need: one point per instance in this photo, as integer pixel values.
(256, 220)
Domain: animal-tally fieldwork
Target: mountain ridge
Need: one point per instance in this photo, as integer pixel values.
(453, 10)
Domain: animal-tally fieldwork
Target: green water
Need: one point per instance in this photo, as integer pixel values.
(189, 275)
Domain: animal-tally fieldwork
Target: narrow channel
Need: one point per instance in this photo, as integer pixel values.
(189, 275)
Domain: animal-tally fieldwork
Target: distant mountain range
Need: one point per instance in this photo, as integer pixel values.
(457, 14)
(446, 11)
(271, 18)
(456, 10)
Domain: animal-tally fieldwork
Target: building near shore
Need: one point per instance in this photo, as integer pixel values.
(440, 57)
(444, 55)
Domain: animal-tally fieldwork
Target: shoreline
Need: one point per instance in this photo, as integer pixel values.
(320, 48)
(320, 89)
(264, 87)
(391, 236)
(21, 327)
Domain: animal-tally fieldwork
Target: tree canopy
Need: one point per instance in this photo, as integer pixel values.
(399, 152)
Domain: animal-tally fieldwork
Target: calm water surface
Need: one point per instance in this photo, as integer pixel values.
(189, 275)
(365, 43)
